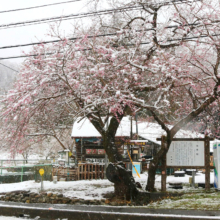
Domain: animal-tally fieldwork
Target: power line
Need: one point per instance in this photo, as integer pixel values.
(86, 14)
(9, 67)
(40, 6)
(112, 34)
(91, 36)
(54, 41)
(185, 39)
(24, 56)
(71, 16)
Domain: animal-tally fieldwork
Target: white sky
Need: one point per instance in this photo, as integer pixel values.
(37, 32)
(33, 33)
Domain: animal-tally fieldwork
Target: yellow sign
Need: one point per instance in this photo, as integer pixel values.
(41, 171)
(70, 154)
(133, 164)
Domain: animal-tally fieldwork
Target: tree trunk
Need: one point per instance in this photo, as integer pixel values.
(155, 162)
(151, 177)
(126, 187)
(123, 180)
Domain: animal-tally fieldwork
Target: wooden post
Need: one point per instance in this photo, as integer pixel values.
(103, 171)
(78, 172)
(98, 171)
(81, 149)
(85, 171)
(163, 166)
(207, 164)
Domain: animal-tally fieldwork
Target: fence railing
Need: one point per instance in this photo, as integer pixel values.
(65, 173)
(22, 170)
(91, 171)
(23, 162)
(84, 171)
(12, 174)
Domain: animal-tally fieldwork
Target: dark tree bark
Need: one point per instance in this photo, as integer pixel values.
(154, 164)
(170, 134)
(124, 182)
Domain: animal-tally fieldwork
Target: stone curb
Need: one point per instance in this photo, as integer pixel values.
(43, 197)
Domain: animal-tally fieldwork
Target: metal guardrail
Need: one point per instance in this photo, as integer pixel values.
(22, 161)
(27, 170)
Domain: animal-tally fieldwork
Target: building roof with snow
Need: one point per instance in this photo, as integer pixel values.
(147, 130)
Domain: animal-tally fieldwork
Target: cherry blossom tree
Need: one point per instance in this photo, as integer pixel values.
(166, 65)
(73, 77)
(181, 61)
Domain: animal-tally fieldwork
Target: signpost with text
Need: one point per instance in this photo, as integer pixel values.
(187, 153)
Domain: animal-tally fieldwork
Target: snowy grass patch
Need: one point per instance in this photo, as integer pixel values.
(192, 198)
(199, 200)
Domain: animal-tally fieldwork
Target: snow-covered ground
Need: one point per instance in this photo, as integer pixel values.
(83, 189)
(93, 189)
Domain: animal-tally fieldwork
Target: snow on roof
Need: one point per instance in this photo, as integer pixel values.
(152, 131)
(147, 130)
(85, 128)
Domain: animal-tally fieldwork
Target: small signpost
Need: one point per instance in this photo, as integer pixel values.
(41, 171)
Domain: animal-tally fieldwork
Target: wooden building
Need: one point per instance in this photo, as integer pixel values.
(89, 146)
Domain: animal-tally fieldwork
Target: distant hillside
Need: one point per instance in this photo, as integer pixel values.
(7, 75)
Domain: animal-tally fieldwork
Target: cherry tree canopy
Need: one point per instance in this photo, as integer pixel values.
(165, 60)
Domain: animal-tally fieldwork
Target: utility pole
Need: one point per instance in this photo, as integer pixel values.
(131, 137)
(136, 116)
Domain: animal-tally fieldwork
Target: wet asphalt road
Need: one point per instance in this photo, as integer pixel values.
(84, 212)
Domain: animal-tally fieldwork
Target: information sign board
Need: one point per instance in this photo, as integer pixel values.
(138, 168)
(186, 153)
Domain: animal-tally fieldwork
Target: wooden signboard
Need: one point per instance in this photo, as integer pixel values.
(186, 153)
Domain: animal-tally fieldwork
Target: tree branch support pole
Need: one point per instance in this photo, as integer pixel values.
(81, 150)
(163, 166)
(207, 163)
